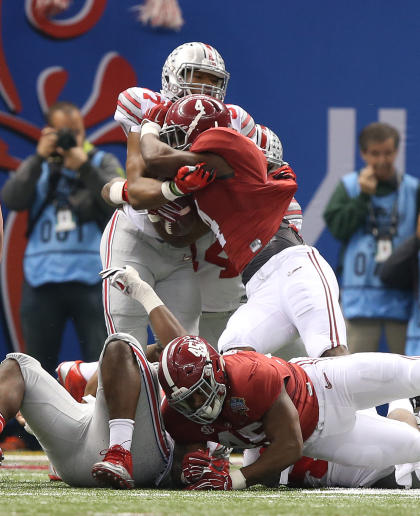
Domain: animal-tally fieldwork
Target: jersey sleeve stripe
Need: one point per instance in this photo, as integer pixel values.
(128, 112)
(132, 100)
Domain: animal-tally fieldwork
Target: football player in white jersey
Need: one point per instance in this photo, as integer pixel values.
(131, 237)
(75, 435)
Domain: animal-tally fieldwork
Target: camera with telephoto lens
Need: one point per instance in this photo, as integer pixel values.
(66, 139)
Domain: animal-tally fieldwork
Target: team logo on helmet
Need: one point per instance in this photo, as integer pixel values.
(190, 116)
(191, 374)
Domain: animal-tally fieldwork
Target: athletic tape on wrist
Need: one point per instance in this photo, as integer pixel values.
(148, 298)
(150, 128)
(116, 192)
(238, 479)
(135, 129)
(169, 190)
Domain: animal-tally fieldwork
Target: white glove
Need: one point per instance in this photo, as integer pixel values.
(127, 280)
(403, 473)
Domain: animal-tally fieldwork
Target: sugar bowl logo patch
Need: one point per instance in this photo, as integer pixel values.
(207, 429)
(238, 405)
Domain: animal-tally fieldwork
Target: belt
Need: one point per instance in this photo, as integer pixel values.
(285, 237)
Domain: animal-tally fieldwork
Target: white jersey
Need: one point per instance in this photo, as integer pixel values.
(134, 102)
(221, 297)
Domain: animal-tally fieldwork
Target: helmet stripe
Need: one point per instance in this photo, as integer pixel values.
(164, 363)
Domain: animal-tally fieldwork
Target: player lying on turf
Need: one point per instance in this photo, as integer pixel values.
(75, 435)
(244, 399)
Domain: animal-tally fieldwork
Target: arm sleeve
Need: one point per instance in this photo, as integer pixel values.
(19, 190)
(400, 270)
(344, 215)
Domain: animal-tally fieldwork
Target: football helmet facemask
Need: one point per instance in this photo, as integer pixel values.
(270, 144)
(191, 371)
(190, 116)
(179, 68)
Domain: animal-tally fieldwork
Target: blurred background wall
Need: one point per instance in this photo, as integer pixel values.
(314, 72)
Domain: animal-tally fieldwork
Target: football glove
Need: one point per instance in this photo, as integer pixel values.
(190, 179)
(212, 482)
(403, 473)
(196, 465)
(157, 113)
(125, 279)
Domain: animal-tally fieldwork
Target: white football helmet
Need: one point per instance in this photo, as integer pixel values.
(177, 72)
(270, 144)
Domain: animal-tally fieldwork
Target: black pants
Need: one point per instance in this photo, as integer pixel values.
(45, 311)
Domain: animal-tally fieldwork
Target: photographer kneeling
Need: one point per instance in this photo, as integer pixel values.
(61, 186)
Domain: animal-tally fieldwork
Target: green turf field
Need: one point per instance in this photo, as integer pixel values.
(26, 489)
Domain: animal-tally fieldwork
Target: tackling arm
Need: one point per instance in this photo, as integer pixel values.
(282, 428)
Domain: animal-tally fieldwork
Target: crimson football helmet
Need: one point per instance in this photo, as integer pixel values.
(191, 369)
(179, 68)
(190, 116)
(270, 144)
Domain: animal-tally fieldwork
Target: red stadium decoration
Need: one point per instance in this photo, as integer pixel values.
(114, 72)
(82, 22)
(160, 13)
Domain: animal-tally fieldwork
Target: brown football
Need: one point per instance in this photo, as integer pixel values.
(183, 225)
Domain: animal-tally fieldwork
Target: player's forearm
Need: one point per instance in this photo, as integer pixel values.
(165, 325)
(145, 193)
(272, 462)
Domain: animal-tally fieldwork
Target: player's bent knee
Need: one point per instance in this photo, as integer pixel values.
(335, 352)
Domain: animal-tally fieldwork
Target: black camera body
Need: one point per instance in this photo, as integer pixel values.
(66, 139)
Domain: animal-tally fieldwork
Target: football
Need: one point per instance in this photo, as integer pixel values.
(184, 220)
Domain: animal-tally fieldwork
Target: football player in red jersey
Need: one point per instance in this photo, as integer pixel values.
(245, 207)
(245, 399)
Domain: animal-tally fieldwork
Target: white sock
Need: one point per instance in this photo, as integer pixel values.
(87, 369)
(121, 432)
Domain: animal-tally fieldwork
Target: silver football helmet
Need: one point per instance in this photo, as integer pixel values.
(270, 144)
(179, 67)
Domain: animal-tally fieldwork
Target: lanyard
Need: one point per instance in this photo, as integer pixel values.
(373, 225)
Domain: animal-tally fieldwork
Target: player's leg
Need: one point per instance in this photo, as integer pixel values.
(310, 287)
(12, 389)
(372, 441)
(122, 244)
(57, 420)
(128, 395)
(259, 323)
(363, 335)
(177, 285)
(396, 332)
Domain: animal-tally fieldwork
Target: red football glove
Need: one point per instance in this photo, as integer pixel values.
(170, 211)
(157, 113)
(190, 179)
(197, 464)
(212, 482)
(284, 172)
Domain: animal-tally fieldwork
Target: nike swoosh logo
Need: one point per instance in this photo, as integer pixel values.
(327, 382)
(294, 270)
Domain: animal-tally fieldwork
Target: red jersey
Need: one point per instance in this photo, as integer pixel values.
(254, 383)
(245, 210)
